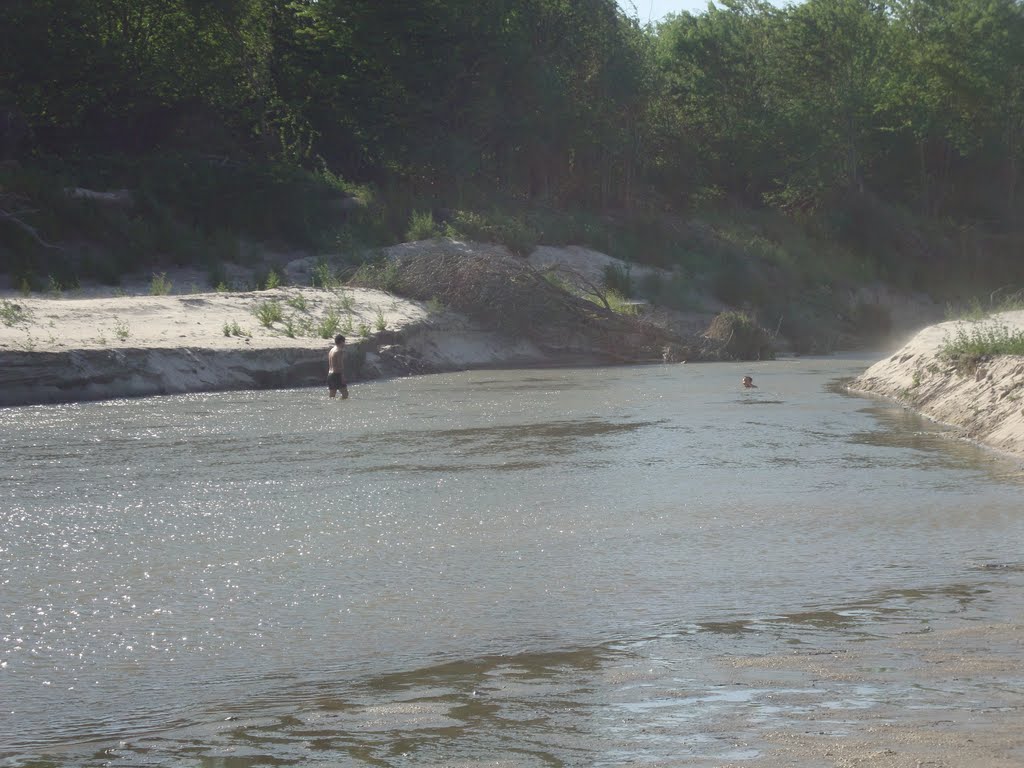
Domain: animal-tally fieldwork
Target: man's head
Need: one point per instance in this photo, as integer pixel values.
(748, 381)
(339, 340)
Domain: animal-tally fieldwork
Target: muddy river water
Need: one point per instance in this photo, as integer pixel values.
(610, 566)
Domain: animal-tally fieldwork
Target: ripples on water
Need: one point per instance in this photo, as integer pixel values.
(542, 565)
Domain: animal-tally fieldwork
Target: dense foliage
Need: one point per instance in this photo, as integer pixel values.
(861, 112)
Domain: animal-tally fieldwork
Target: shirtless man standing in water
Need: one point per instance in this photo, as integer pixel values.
(336, 368)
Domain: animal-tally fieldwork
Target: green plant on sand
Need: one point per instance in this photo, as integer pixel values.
(422, 226)
(328, 324)
(160, 285)
(268, 313)
(12, 313)
(972, 344)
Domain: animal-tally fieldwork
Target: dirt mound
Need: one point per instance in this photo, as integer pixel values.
(504, 292)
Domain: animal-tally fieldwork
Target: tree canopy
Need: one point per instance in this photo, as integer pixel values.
(917, 102)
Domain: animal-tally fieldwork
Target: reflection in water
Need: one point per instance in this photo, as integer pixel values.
(556, 437)
(495, 447)
(567, 568)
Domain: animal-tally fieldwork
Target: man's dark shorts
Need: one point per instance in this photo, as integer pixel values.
(334, 381)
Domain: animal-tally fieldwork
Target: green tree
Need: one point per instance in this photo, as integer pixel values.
(957, 88)
(826, 64)
(717, 127)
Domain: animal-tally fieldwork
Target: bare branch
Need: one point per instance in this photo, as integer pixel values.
(590, 288)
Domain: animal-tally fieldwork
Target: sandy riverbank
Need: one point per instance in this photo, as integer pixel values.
(985, 404)
(98, 342)
(95, 343)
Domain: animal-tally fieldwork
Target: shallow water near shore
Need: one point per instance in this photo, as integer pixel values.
(605, 566)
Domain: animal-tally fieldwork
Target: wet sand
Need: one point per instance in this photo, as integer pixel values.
(973, 727)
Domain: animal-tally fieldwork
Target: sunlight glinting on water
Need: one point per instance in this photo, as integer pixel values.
(169, 559)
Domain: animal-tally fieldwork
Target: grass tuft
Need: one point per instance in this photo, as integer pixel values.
(329, 324)
(234, 329)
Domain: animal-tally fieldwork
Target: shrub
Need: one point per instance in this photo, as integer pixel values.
(741, 338)
(269, 312)
(297, 302)
(382, 275)
(272, 280)
(160, 285)
(234, 329)
(329, 324)
(324, 276)
(121, 330)
(422, 226)
(12, 313)
(514, 232)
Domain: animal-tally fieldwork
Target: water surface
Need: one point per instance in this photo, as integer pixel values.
(447, 568)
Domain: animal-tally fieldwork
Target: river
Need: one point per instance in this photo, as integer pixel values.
(522, 568)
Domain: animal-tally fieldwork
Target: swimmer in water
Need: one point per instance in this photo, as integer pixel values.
(748, 382)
